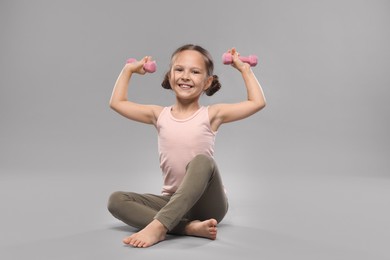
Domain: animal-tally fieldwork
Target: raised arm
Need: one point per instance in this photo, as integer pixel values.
(225, 113)
(119, 99)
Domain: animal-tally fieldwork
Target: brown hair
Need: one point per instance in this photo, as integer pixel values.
(215, 85)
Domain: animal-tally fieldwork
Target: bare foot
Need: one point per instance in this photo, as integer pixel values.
(150, 235)
(206, 229)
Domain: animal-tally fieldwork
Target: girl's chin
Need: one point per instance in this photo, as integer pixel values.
(189, 93)
(186, 96)
(185, 92)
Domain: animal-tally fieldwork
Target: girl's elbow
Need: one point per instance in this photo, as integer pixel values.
(260, 105)
(264, 104)
(113, 105)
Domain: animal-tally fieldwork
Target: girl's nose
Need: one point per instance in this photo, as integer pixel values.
(186, 75)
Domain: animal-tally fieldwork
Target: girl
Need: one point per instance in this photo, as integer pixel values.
(193, 199)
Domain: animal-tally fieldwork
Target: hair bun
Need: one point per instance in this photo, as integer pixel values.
(215, 86)
(165, 84)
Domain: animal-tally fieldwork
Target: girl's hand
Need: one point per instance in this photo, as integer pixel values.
(237, 63)
(138, 66)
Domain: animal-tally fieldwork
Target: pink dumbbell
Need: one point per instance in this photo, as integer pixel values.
(149, 66)
(227, 58)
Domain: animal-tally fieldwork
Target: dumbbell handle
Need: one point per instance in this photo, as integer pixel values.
(149, 66)
(227, 58)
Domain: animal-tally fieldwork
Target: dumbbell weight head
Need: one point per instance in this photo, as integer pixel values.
(149, 66)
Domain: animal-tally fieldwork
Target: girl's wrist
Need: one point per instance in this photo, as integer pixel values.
(246, 71)
(128, 68)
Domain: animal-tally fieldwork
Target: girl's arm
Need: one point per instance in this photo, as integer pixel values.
(119, 100)
(224, 113)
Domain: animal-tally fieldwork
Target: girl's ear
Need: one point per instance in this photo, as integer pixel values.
(209, 81)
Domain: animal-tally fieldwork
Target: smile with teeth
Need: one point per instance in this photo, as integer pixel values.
(185, 86)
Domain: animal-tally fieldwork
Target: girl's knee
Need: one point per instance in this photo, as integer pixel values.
(114, 201)
(203, 160)
(202, 164)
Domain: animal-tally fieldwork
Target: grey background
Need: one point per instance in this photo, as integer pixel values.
(307, 177)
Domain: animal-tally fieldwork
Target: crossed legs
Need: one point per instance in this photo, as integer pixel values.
(195, 208)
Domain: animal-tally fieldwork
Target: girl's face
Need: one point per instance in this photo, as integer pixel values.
(188, 77)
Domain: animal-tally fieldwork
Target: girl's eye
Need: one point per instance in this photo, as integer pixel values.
(178, 69)
(196, 72)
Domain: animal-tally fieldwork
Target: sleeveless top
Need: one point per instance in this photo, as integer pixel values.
(179, 141)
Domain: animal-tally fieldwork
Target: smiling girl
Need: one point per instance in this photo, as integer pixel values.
(193, 199)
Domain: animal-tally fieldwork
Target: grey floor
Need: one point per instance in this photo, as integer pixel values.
(63, 216)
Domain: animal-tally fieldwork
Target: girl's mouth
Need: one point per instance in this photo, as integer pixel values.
(185, 86)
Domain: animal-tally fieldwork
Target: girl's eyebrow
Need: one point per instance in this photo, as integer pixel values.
(194, 68)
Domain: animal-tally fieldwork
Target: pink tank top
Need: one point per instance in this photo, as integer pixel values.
(179, 141)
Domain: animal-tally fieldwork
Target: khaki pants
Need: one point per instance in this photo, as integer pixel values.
(200, 196)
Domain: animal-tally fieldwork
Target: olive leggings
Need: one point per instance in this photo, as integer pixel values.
(200, 196)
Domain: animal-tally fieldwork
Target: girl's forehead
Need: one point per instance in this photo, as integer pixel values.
(189, 56)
